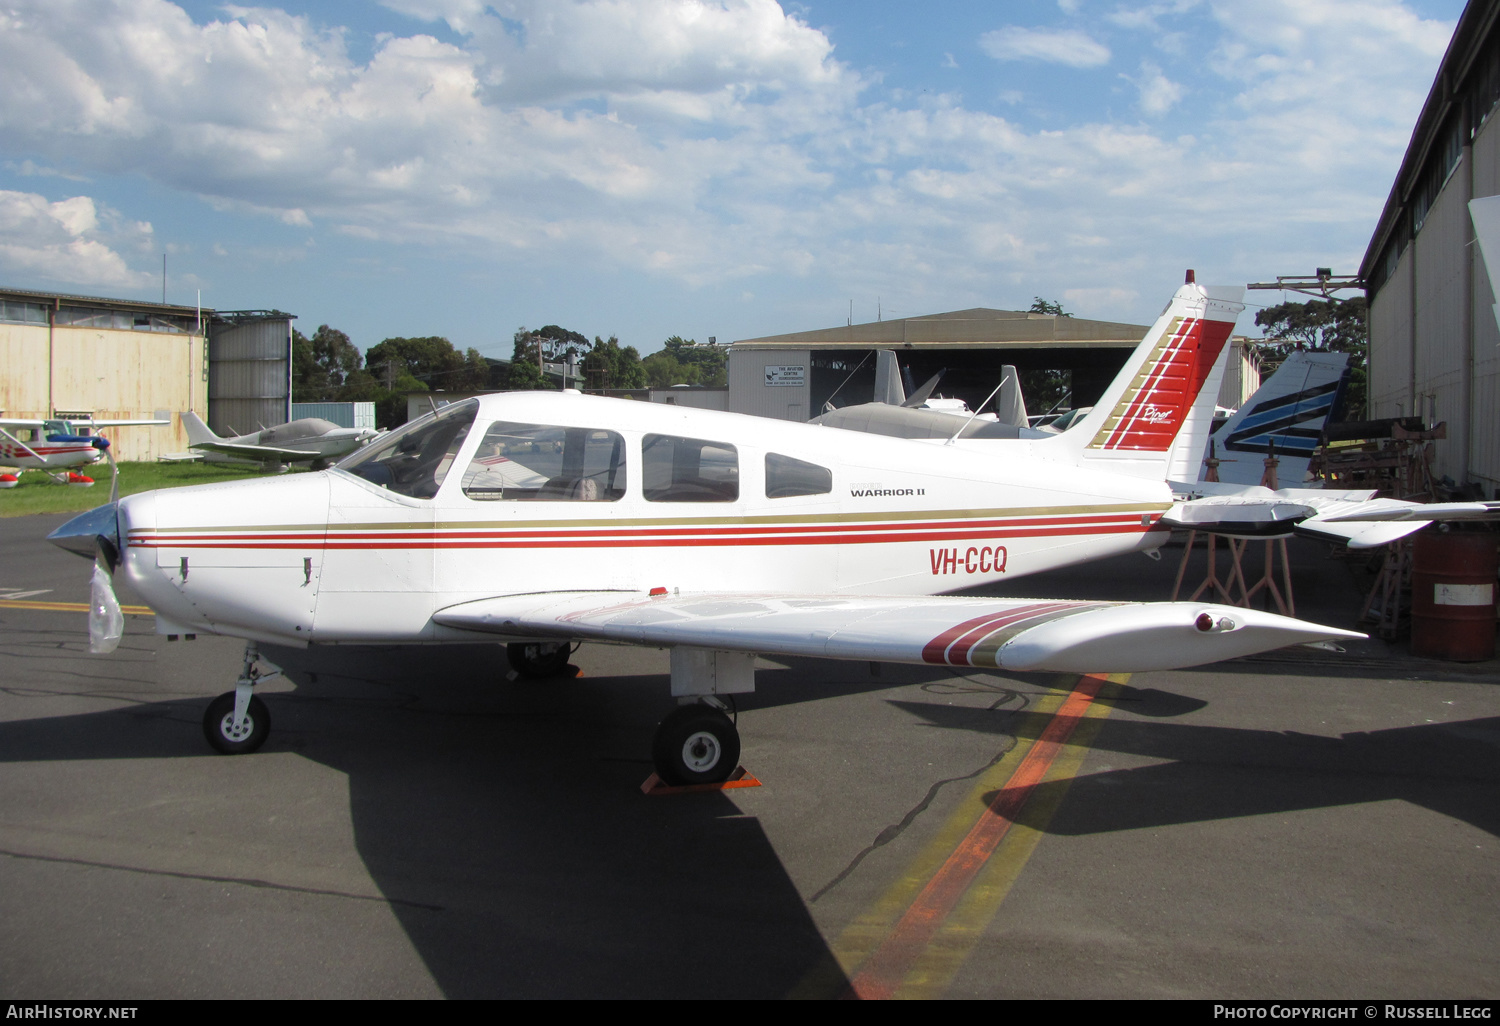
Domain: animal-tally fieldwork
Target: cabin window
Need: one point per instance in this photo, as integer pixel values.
(530, 462)
(689, 470)
(415, 459)
(786, 477)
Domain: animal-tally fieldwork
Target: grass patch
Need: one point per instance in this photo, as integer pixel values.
(38, 493)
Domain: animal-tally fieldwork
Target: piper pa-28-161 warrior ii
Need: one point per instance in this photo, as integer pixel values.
(309, 440)
(540, 519)
(57, 446)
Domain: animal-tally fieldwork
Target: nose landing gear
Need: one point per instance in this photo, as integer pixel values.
(237, 722)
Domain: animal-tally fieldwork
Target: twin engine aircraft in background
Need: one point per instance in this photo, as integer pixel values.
(308, 440)
(540, 519)
(56, 447)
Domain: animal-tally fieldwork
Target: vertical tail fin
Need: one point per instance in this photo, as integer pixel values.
(1154, 419)
(1288, 411)
(197, 431)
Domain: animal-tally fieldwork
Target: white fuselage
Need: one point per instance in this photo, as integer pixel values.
(335, 558)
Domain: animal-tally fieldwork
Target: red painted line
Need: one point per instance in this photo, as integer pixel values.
(563, 531)
(885, 970)
(615, 542)
(935, 651)
(958, 652)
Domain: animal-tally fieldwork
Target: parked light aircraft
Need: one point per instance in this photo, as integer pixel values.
(310, 439)
(1287, 415)
(716, 535)
(56, 446)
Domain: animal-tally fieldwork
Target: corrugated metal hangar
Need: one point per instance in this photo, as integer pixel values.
(1434, 342)
(791, 377)
(117, 359)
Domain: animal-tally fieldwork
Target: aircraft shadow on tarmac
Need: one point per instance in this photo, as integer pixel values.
(1225, 772)
(504, 825)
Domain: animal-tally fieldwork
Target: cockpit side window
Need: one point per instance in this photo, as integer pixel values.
(529, 462)
(415, 460)
(689, 470)
(786, 477)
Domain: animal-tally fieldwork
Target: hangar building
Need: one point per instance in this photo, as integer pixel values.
(790, 377)
(1434, 343)
(117, 359)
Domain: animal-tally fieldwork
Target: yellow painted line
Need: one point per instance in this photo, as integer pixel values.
(935, 969)
(71, 607)
(933, 966)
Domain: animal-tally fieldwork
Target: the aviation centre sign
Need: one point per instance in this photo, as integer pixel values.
(794, 377)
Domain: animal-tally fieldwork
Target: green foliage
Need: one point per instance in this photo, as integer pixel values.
(37, 493)
(682, 361)
(321, 365)
(608, 365)
(1046, 306)
(1044, 390)
(1320, 326)
(556, 345)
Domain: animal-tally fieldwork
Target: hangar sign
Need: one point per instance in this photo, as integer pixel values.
(794, 377)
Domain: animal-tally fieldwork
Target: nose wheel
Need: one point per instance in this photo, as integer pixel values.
(695, 744)
(237, 722)
(231, 737)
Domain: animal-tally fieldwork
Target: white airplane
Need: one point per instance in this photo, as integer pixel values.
(56, 446)
(717, 535)
(308, 440)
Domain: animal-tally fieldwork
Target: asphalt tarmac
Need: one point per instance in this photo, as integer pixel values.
(1305, 824)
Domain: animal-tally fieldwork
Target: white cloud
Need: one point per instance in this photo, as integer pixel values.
(61, 241)
(1056, 46)
(722, 141)
(1158, 94)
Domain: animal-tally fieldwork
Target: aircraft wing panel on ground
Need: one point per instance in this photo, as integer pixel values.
(262, 453)
(1014, 634)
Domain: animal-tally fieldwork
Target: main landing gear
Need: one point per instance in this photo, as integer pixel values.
(697, 743)
(237, 722)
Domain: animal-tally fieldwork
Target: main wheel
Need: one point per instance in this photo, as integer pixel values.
(538, 659)
(695, 744)
(218, 725)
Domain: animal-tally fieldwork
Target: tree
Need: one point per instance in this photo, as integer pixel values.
(682, 361)
(556, 345)
(321, 365)
(1320, 326)
(1046, 306)
(610, 366)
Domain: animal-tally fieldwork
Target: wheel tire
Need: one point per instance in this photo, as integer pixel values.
(216, 723)
(538, 659)
(695, 744)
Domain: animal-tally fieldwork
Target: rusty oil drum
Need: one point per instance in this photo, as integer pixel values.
(1453, 595)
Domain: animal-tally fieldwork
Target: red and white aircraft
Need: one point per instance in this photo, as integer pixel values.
(717, 535)
(56, 446)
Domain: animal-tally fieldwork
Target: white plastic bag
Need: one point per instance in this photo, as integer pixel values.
(106, 622)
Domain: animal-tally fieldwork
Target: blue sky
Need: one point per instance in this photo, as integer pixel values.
(729, 167)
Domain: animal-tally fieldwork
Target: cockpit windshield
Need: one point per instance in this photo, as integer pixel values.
(413, 460)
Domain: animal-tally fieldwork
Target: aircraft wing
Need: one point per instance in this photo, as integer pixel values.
(1348, 517)
(259, 453)
(179, 457)
(1011, 634)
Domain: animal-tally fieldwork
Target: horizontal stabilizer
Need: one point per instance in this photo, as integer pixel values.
(1017, 634)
